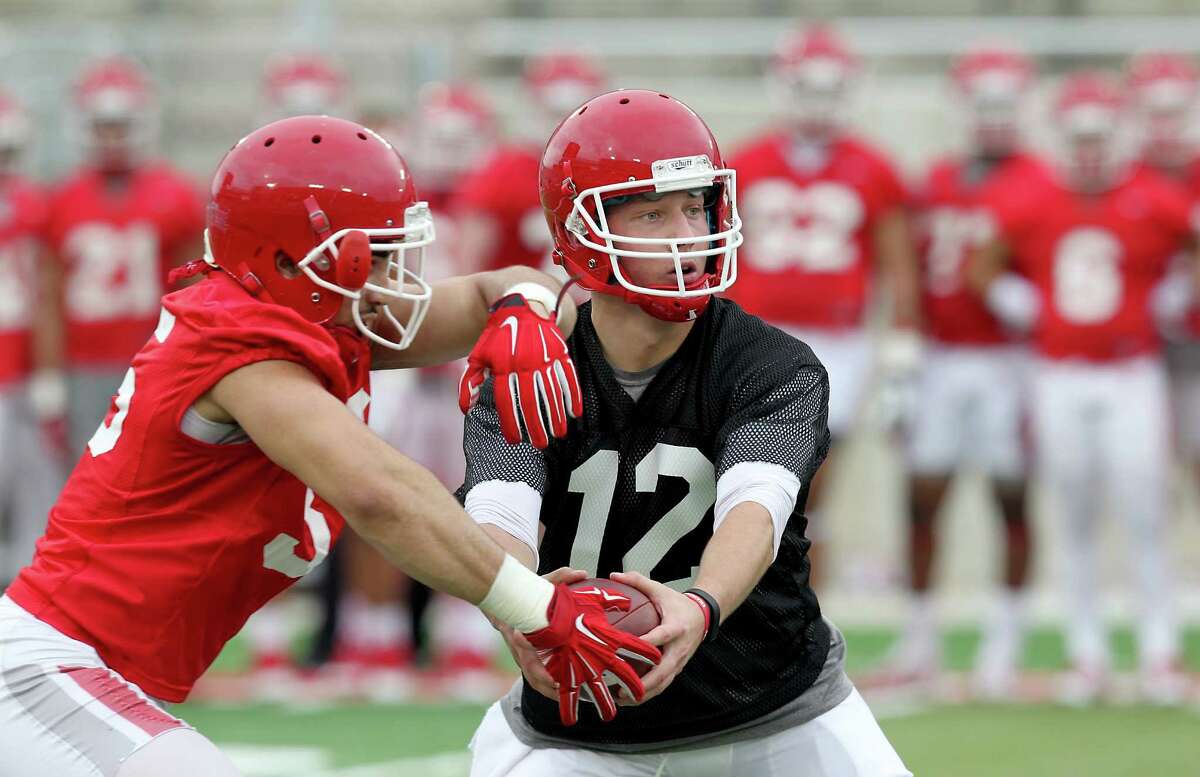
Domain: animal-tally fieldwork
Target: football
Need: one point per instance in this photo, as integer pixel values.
(638, 620)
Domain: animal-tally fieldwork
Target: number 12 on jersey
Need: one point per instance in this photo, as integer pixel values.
(596, 480)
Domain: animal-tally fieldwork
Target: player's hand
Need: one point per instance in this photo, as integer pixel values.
(678, 634)
(895, 405)
(48, 401)
(525, 654)
(535, 377)
(580, 647)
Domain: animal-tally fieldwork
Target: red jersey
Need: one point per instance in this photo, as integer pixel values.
(161, 546)
(807, 257)
(954, 219)
(505, 188)
(116, 248)
(22, 221)
(1095, 260)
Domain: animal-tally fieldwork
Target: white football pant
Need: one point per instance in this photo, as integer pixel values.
(1103, 440)
(844, 742)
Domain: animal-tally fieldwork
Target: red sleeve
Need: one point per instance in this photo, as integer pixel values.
(887, 191)
(1177, 212)
(230, 336)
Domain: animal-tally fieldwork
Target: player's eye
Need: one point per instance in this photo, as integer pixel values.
(651, 216)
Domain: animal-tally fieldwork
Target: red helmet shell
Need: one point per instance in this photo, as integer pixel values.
(113, 88)
(612, 139)
(813, 42)
(282, 187)
(1090, 91)
(303, 83)
(973, 67)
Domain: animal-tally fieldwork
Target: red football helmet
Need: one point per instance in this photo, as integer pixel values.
(562, 81)
(1087, 114)
(14, 134)
(993, 80)
(452, 127)
(1164, 89)
(299, 207)
(301, 84)
(812, 70)
(114, 103)
(628, 142)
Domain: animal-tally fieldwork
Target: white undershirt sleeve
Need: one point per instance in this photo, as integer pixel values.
(770, 485)
(513, 507)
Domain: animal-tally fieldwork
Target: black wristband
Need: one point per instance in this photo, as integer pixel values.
(714, 612)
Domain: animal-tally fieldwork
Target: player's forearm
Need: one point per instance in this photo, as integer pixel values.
(511, 545)
(898, 264)
(48, 329)
(736, 557)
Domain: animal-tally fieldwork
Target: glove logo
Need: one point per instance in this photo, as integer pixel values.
(511, 322)
(587, 632)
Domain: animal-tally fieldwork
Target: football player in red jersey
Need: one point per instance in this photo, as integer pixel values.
(825, 213)
(117, 226)
(969, 405)
(1090, 247)
(1163, 89)
(31, 401)
(235, 451)
(686, 478)
(500, 218)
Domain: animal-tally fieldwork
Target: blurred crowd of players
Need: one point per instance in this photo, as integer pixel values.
(1030, 301)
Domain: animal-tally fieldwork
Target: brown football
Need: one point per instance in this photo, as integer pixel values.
(639, 619)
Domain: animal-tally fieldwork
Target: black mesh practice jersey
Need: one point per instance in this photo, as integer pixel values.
(632, 487)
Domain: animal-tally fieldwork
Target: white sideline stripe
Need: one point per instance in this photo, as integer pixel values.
(441, 765)
(276, 761)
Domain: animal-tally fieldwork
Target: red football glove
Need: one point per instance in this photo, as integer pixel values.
(535, 378)
(579, 646)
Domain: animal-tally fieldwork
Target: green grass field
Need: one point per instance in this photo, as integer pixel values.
(935, 739)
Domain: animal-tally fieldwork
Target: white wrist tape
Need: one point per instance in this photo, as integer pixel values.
(1170, 302)
(535, 292)
(48, 393)
(1015, 301)
(518, 597)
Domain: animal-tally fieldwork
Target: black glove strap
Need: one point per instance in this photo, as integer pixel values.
(714, 612)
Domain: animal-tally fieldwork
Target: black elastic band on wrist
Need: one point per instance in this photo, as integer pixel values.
(714, 612)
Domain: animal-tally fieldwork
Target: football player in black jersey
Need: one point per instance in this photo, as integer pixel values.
(685, 476)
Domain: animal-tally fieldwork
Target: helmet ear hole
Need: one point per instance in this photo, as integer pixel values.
(354, 260)
(286, 266)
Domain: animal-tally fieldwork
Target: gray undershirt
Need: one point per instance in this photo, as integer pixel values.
(635, 383)
(831, 688)
(201, 429)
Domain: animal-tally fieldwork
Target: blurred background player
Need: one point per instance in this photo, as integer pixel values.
(1092, 246)
(32, 395)
(825, 215)
(446, 136)
(117, 226)
(301, 84)
(969, 406)
(1163, 91)
(500, 221)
